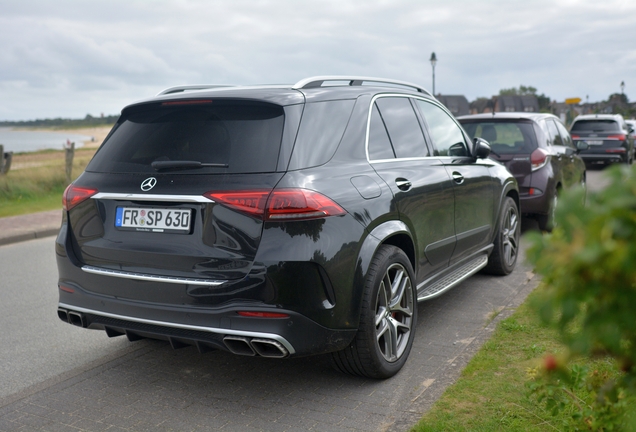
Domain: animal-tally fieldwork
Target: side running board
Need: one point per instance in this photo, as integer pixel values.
(438, 287)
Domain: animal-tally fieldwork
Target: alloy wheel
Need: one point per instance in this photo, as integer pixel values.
(394, 312)
(510, 236)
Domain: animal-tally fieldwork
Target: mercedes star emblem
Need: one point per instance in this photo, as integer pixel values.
(148, 184)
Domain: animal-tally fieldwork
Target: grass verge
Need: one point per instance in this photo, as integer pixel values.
(37, 181)
(492, 394)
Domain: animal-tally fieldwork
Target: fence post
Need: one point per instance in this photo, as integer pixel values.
(70, 152)
(5, 160)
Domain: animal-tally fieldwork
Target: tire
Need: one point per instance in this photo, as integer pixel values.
(387, 320)
(503, 258)
(546, 222)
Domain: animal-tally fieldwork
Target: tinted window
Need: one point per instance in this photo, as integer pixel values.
(379, 143)
(595, 125)
(555, 138)
(446, 134)
(403, 126)
(246, 137)
(504, 137)
(321, 129)
(565, 135)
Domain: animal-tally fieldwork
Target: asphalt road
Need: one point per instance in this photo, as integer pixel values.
(54, 376)
(58, 377)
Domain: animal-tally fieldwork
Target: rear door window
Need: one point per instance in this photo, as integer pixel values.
(235, 136)
(555, 137)
(397, 116)
(565, 135)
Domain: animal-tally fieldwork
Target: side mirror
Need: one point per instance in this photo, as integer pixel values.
(482, 148)
(582, 145)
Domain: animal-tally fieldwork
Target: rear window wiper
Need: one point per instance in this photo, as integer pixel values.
(185, 164)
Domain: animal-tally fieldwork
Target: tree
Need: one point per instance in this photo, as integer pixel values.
(521, 91)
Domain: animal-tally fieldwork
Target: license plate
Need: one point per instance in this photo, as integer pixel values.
(153, 219)
(594, 142)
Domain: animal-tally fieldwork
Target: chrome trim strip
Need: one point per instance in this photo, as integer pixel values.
(366, 140)
(433, 101)
(273, 336)
(152, 197)
(150, 278)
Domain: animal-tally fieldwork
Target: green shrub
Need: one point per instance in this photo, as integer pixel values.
(588, 263)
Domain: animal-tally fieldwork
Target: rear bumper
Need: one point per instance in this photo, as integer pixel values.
(604, 157)
(189, 311)
(206, 329)
(530, 205)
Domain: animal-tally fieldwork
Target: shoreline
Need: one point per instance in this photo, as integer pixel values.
(38, 158)
(97, 133)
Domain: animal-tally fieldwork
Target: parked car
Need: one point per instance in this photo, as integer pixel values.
(538, 150)
(283, 221)
(631, 124)
(608, 137)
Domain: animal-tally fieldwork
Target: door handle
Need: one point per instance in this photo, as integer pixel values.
(458, 178)
(403, 184)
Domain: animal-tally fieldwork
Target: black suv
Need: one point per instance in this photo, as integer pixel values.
(538, 150)
(283, 221)
(607, 136)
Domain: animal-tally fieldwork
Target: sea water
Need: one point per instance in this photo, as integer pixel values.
(33, 140)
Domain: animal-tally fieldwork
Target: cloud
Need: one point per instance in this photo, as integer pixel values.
(71, 57)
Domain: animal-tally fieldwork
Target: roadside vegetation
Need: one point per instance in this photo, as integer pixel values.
(63, 123)
(566, 358)
(37, 181)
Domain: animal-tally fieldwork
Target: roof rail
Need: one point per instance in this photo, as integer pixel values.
(185, 88)
(318, 81)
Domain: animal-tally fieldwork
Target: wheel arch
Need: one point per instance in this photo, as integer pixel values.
(395, 233)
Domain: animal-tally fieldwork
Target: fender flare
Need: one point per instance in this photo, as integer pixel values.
(377, 237)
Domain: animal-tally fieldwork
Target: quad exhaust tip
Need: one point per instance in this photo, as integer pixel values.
(251, 347)
(75, 318)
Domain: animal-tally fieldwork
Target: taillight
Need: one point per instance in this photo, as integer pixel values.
(539, 158)
(252, 202)
(293, 204)
(73, 195)
(280, 204)
(620, 137)
(575, 137)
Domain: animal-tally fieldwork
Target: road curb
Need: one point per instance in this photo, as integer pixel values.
(15, 229)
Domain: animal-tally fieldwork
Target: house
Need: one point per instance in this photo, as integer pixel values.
(456, 104)
(516, 103)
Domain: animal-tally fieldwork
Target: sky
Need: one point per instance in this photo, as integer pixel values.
(70, 58)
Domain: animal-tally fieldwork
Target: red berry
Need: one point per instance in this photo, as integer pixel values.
(550, 362)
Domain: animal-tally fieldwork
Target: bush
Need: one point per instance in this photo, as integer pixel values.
(589, 264)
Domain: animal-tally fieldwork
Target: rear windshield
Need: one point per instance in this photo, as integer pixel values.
(595, 126)
(504, 137)
(232, 136)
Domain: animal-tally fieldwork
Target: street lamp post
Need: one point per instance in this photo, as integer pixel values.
(433, 62)
(622, 87)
